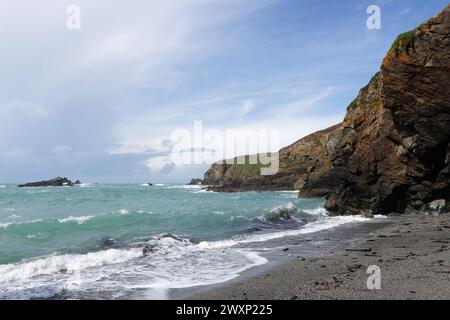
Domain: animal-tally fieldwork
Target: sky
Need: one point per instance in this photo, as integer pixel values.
(101, 103)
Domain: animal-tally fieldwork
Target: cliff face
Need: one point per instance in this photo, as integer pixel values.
(395, 153)
(392, 151)
(306, 159)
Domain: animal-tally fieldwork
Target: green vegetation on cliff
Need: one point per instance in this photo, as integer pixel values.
(403, 41)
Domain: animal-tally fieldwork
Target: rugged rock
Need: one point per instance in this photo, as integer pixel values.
(306, 159)
(437, 206)
(195, 182)
(56, 182)
(393, 153)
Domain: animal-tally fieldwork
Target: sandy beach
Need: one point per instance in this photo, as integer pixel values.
(412, 252)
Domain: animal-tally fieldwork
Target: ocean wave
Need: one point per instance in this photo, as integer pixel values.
(180, 263)
(321, 211)
(156, 263)
(2, 186)
(64, 263)
(159, 263)
(290, 211)
(79, 220)
(281, 213)
(59, 222)
(86, 185)
(203, 191)
(16, 223)
(184, 186)
(320, 224)
(5, 224)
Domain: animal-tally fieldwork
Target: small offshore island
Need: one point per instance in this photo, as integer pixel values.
(56, 182)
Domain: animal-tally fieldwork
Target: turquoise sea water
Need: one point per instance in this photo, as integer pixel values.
(116, 241)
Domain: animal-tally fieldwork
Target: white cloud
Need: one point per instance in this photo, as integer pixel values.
(246, 107)
(156, 164)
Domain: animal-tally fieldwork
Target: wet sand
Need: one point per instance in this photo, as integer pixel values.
(412, 252)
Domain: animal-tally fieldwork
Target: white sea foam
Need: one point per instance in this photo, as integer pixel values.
(184, 186)
(64, 263)
(315, 226)
(2, 186)
(124, 211)
(289, 206)
(203, 191)
(79, 220)
(178, 263)
(168, 262)
(317, 212)
(171, 262)
(86, 185)
(7, 224)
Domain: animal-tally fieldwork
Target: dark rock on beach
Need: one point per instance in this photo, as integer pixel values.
(56, 182)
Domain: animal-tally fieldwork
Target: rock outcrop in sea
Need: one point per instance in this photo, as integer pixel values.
(195, 182)
(392, 151)
(56, 182)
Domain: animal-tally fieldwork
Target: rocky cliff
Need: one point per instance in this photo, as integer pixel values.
(306, 159)
(392, 151)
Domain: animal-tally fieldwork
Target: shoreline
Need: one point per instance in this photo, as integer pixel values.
(284, 250)
(412, 252)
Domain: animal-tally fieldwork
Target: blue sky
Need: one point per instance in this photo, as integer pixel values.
(100, 103)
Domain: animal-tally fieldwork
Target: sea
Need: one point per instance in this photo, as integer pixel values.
(138, 241)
